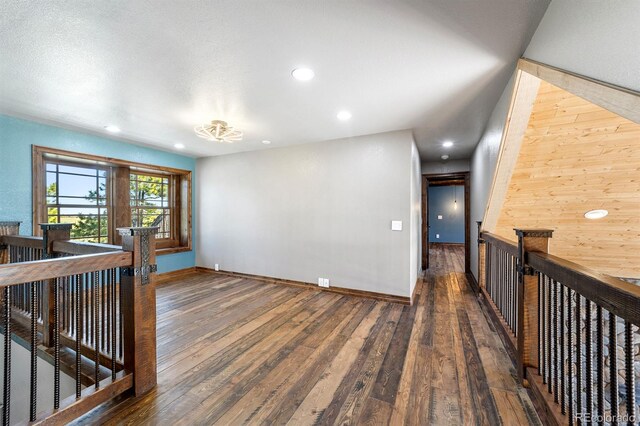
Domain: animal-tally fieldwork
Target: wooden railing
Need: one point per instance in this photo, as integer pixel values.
(89, 307)
(575, 337)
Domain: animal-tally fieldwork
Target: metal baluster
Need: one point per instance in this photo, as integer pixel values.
(514, 296)
(56, 345)
(107, 324)
(540, 326)
(508, 278)
(121, 326)
(500, 282)
(578, 356)
(563, 407)
(33, 402)
(549, 335)
(589, 358)
(103, 289)
(487, 266)
(6, 398)
(86, 331)
(96, 328)
(613, 368)
(600, 359)
(113, 324)
(554, 340)
(78, 315)
(64, 305)
(570, 354)
(629, 378)
(90, 313)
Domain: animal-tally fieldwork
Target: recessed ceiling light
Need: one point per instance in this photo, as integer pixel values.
(112, 129)
(178, 146)
(344, 115)
(447, 144)
(445, 157)
(266, 142)
(303, 74)
(596, 214)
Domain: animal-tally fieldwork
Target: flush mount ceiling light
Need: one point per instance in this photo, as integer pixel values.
(112, 128)
(447, 144)
(596, 214)
(344, 115)
(178, 146)
(266, 142)
(445, 157)
(303, 74)
(218, 131)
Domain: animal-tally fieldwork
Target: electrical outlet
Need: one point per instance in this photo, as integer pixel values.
(437, 235)
(326, 283)
(216, 267)
(320, 281)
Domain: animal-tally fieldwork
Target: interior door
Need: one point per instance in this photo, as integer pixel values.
(425, 224)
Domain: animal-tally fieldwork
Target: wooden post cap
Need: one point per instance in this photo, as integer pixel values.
(534, 233)
(57, 226)
(10, 222)
(139, 230)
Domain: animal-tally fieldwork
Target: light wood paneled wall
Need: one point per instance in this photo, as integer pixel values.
(576, 156)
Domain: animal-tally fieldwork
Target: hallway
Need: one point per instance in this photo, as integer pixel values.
(238, 351)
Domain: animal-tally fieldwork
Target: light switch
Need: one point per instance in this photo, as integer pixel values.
(396, 225)
(439, 217)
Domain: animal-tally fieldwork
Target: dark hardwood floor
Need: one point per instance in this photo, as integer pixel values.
(236, 351)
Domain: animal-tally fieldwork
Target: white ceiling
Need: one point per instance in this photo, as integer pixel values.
(158, 68)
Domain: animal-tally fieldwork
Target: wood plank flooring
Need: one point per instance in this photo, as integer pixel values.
(236, 351)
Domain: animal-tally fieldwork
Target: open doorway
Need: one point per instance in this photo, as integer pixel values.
(445, 213)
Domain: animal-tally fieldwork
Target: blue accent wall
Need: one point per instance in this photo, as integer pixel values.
(441, 202)
(16, 138)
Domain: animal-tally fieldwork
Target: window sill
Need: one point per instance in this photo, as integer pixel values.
(171, 250)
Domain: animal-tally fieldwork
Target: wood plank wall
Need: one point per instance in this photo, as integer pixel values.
(575, 157)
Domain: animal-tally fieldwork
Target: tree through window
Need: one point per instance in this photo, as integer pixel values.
(150, 203)
(78, 195)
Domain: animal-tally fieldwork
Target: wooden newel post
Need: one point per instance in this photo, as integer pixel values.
(7, 228)
(529, 240)
(50, 232)
(139, 307)
(481, 258)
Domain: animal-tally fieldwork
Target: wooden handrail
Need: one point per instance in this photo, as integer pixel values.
(92, 290)
(18, 273)
(80, 248)
(503, 244)
(21, 241)
(613, 294)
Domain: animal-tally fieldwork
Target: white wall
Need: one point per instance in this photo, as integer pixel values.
(313, 210)
(598, 39)
(449, 166)
(415, 264)
(483, 164)
(592, 38)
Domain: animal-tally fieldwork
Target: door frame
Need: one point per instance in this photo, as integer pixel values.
(456, 179)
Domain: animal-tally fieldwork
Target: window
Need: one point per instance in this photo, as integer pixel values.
(150, 203)
(78, 195)
(98, 195)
